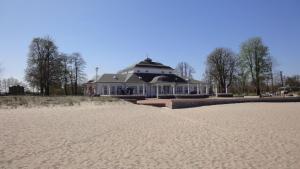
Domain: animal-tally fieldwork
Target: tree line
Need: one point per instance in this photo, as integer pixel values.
(252, 70)
(249, 71)
(185, 70)
(5, 83)
(52, 72)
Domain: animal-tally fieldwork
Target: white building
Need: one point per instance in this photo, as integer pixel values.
(149, 79)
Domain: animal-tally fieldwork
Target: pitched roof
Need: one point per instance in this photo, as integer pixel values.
(143, 78)
(149, 64)
(133, 78)
(149, 77)
(161, 79)
(120, 78)
(112, 78)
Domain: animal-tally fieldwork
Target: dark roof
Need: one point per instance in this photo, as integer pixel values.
(147, 63)
(142, 78)
(161, 79)
(137, 78)
(112, 78)
(120, 78)
(133, 78)
(149, 77)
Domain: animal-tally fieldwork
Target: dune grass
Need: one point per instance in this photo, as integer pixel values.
(44, 101)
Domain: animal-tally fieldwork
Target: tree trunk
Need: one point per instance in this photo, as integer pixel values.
(72, 85)
(41, 89)
(66, 79)
(76, 79)
(257, 84)
(281, 79)
(258, 93)
(48, 76)
(66, 90)
(257, 73)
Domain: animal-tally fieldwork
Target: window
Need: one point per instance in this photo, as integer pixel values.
(138, 71)
(162, 72)
(113, 90)
(146, 71)
(141, 90)
(179, 89)
(166, 90)
(132, 90)
(105, 92)
(120, 90)
(186, 90)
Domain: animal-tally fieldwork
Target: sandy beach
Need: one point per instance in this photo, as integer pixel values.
(124, 135)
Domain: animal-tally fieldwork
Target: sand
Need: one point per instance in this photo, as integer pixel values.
(124, 135)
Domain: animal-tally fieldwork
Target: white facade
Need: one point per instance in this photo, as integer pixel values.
(147, 79)
(150, 90)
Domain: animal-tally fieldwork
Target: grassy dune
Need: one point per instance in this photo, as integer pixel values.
(37, 101)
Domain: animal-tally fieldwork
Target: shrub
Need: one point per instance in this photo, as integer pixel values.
(225, 95)
(30, 101)
(197, 96)
(166, 96)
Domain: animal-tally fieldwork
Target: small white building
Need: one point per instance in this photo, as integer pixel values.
(149, 79)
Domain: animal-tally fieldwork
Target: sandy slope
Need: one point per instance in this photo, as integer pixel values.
(119, 135)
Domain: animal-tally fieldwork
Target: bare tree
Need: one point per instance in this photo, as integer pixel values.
(278, 80)
(43, 65)
(185, 70)
(293, 81)
(4, 85)
(281, 79)
(221, 66)
(8, 82)
(268, 79)
(242, 77)
(254, 56)
(66, 61)
(77, 74)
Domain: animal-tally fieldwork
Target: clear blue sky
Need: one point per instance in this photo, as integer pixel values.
(113, 34)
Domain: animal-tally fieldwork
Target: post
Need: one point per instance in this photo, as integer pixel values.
(200, 89)
(216, 89)
(197, 88)
(206, 89)
(157, 92)
(96, 89)
(188, 88)
(97, 68)
(173, 89)
(143, 89)
(108, 89)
